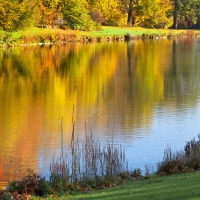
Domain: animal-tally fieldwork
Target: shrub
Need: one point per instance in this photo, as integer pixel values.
(30, 184)
(58, 183)
(43, 188)
(6, 196)
(181, 161)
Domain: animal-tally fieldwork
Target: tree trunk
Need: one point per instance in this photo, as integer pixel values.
(130, 15)
(175, 19)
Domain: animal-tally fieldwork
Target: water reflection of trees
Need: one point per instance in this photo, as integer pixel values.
(181, 85)
(80, 74)
(114, 85)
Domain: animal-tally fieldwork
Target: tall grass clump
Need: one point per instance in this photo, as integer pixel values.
(183, 160)
(87, 159)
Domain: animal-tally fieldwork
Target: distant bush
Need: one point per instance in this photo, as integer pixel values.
(186, 160)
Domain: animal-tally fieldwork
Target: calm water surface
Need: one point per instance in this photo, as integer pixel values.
(142, 94)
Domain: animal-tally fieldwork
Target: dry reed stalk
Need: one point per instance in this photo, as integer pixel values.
(87, 158)
(62, 137)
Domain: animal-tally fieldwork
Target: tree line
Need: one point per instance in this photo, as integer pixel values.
(91, 14)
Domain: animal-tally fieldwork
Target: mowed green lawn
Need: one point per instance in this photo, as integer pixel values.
(109, 30)
(106, 31)
(174, 187)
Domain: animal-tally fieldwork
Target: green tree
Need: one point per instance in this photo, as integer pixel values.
(185, 13)
(76, 15)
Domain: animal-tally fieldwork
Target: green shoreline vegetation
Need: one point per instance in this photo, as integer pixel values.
(104, 174)
(38, 36)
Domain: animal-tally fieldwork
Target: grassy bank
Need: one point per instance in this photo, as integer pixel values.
(48, 35)
(181, 186)
(137, 31)
(174, 187)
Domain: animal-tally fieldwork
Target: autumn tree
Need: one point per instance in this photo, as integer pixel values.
(150, 13)
(16, 14)
(163, 17)
(112, 11)
(50, 11)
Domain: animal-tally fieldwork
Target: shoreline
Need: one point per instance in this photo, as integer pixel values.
(37, 36)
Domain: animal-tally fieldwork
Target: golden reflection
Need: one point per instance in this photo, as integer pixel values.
(107, 83)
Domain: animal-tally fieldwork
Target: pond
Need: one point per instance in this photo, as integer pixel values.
(144, 94)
